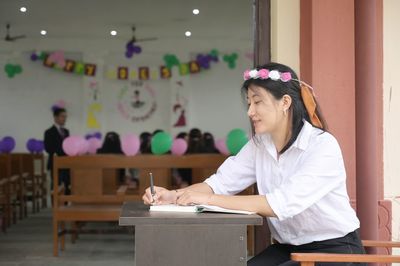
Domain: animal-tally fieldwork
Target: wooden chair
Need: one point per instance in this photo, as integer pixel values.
(40, 176)
(18, 177)
(309, 259)
(32, 185)
(9, 189)
(4, 203)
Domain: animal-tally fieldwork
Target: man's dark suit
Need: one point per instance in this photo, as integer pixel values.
(53, 145)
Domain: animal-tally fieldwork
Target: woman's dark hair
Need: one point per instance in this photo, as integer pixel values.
(145, 141)
(195, 142)
(157, 130)
(181, 135)
(111, 144)
(278, 89)
(208, 143)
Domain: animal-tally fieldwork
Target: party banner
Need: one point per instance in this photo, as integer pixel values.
(57, 61)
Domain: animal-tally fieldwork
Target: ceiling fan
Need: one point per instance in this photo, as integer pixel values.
(134, 39)
(10, 38)
(131, 46)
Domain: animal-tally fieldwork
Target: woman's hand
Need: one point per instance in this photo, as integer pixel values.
(162, 196)
(188, 197)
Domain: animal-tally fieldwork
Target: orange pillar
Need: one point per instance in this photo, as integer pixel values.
(327, 63)
(369, 126)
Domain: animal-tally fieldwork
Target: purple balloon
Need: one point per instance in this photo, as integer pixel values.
(128, 54)
(129, 45)
(88, 136)
(31, 145)
(7, 144)
(203, 60)
(97, 135)
(34, 57)
(39, 146)
(214, 58)
(137, 49)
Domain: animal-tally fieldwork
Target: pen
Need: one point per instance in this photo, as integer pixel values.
(153, 193)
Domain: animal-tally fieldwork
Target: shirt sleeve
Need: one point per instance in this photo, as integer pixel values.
(321, 171)
(236, 173)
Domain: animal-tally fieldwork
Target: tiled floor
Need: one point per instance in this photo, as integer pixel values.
(29, 242)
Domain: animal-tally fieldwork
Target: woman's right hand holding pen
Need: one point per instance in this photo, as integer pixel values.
(161, 196)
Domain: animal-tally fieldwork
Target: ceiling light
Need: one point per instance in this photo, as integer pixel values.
(196, 11)
(43, 32)
(22, 9)
(188, 33)
(113, 32)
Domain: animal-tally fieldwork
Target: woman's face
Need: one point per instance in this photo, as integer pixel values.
(266, 113)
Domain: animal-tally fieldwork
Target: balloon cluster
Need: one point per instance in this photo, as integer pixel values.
(12, 70)
(7, 144)
(96, 135)
(35, 146)
(38, 56)
(231, 60)
(57, 58)
(205, 60)
(132, 48)
(233, 143)
(171, 60)
(161, 143)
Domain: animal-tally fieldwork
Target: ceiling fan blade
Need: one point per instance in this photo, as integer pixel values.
(146, 39)
(18, 37)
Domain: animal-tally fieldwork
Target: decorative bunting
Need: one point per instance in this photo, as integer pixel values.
(56, 61)
(203, 62)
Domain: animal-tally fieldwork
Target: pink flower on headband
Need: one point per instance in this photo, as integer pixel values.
(286, 76)
(246, 74)
(263, 73)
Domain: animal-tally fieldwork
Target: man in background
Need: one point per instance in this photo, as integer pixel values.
(53, 139)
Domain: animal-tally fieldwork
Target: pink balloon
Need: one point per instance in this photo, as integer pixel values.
(221, 147)
(94, 144)
(179, 147)
(72, 145)
(130, 144)
(84, 146)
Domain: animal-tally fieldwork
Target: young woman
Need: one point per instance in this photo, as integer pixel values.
(298, 168)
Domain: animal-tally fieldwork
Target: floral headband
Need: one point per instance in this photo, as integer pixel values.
(267, 74)
(307, 92)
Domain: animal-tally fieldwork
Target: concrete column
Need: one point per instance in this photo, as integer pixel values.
(369, 96)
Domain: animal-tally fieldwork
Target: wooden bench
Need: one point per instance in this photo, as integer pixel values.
(91, 200)
(309, 259)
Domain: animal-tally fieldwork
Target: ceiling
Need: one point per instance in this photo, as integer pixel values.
(94, 19)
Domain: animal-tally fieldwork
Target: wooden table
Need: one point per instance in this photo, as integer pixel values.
(196, 239)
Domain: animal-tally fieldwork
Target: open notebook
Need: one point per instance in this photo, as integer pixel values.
(194, 208)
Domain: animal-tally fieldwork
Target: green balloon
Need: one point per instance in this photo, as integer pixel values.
(18, 69)
(235, 140)
(161, 143)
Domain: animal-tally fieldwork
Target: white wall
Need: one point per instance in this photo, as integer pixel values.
(215, 104)
(285, 33)
(391, 65)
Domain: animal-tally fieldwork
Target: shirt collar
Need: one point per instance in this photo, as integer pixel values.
(304, 136)
(301, 142)
(58, 126)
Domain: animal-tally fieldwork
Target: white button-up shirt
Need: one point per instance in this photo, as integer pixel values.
(305, 186)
